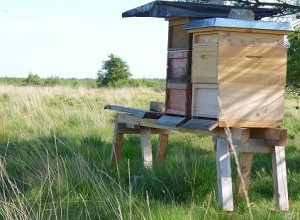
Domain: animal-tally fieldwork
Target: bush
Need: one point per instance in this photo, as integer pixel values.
(113, 70)
(33, 79)
(293, 68)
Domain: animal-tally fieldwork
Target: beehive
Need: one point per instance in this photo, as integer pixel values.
(238, 71)
(179, 87)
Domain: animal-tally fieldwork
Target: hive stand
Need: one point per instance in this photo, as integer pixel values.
(244, 141)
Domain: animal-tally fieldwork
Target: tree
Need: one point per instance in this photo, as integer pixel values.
(289, 9)
(293, 69)
(113, 69)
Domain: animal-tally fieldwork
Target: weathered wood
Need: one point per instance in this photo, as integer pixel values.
(178, 98)
(172, 121)
(224, 174)
(157, 106)
(205, 64)
(245, 164)
(117, 145)
(162, 147)
(245, 105)
(205, 100)
(135, 111)
(254, 146)
(136, 130)
(201, 124)
(272, 136)
(237, 133)
(239, 39)
(178, 66)
(280, 178)
(146, 147)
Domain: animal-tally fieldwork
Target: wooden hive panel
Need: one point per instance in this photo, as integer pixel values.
(205, 64)
(250, 105)
(178, 98)
(205, 100)
(178, 37)
(178, 66)
(256, 65)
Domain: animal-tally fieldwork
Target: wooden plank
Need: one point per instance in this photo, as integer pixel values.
(224, 174)
(272, 136)
(116, 146)
(136, 130)
(250, 105)
(237, 133)
(243, 181)
(205, 64)
(205, 39)
(254, 53)
(178, 86)
(178, 37)
(205, 101)
(248, 39)
(146, 147)
(157, 106)
(245, 76)
(162, 147)
(178, 98)
(249, 123)
(135, 111)
(280, 178)
(202, 124)
(241, 30)
(171, 121)
(255, 146)
(178, 65)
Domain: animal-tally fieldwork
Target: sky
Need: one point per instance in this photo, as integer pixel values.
(71, 38)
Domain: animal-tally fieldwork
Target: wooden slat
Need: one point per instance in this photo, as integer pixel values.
(241, 30)
(245, 164)
(162, 147)
(171, 121)
(250, 123)
(237, 133)
(205, 64)
(202, 124)
(224, 174)
(146, 147)
(205, 101)
(135, 111)
(280, 178)
(255, 146)
(248, 39)
(250, 105)
(272, 136)
(117, 145)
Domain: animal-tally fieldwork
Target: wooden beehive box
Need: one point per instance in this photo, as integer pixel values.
(238, 71)
(179, 87)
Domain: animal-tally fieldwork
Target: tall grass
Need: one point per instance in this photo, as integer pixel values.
(55, 144)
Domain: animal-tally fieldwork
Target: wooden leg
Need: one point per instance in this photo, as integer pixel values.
(146, 147)
(280, 178)
(162, 148)
(224, 174)
(245, 162)
(117, 146)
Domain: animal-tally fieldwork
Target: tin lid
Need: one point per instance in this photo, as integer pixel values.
(236, 23)
(169, 9)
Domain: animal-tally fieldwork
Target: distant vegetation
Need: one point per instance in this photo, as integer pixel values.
(35, 80)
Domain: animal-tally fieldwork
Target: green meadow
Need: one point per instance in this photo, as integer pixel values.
(55, 145)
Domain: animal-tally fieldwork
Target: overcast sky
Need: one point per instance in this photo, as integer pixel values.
(71, 38)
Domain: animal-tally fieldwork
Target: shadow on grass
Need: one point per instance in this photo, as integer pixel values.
(188, 175)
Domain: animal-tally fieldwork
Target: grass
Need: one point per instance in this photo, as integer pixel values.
(55, 145)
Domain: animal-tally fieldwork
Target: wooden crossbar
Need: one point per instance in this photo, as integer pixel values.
(245, 141)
